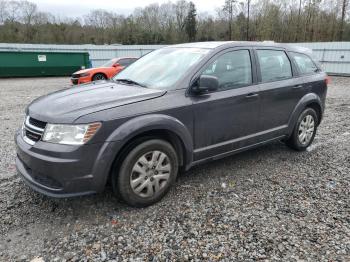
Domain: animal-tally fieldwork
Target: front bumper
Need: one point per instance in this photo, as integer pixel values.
(63, 170)
(80, 80)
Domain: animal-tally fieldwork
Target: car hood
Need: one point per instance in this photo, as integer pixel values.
(88, 70)
(83, 71)
(67, 105)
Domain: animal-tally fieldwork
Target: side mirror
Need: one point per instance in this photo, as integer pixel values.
(116, 65)
(207, 83)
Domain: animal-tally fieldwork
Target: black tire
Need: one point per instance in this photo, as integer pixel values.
(121, 178)
(294, 140)
(98, 77)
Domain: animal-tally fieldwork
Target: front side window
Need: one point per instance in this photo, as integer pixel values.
(232, 69)
(162, 68)
(110, 63)
(305, 64)
(274, 65)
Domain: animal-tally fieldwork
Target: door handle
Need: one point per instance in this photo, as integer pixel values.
(297, 86)
(252, 95)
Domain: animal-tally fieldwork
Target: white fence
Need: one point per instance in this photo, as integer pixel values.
(334, 57)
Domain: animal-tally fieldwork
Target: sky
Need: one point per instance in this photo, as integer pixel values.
(77, 8)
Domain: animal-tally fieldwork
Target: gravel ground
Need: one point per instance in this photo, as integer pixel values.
(266, 204)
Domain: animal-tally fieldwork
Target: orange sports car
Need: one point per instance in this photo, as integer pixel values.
(106, 71)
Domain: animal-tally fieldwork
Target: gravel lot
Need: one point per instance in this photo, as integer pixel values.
(267, 204)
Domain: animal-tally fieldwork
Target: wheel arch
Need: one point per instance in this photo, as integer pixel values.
(317, 107)
(310, 100)
(154, 126)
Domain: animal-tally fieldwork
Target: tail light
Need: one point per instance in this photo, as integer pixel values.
(328, 80)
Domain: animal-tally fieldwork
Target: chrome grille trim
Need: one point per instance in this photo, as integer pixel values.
(31, 129)
(27, 124)
(28, 141)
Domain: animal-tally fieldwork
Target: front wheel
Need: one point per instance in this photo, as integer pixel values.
(146, 173)
(98, 77)
(304, 131)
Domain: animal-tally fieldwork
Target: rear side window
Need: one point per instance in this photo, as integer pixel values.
(274, 65)
(125, 62)
(304, 63)
(132, 60)
(233, 69)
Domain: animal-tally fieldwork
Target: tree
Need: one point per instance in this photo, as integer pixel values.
(191, 22)
(228, 10)
(28, 12)
(280, 20)
(298, 21)
(343, 13)
(3, 11)
(181, 11)
(248, 17)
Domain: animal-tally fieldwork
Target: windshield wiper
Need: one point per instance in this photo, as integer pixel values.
(130, 82)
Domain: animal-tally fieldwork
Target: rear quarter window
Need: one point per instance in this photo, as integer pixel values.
(304, 63)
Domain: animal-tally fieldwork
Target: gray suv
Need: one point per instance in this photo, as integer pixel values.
(174, 108)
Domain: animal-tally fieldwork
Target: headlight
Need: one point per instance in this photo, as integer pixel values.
(70, 134)
(84, 74)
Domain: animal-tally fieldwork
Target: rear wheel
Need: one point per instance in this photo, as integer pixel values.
(304, 131)
(99, 77)
(146, 173)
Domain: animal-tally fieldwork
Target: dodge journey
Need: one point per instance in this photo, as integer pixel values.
(174, 108)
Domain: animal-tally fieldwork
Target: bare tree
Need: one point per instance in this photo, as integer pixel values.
(248, 17)
(228, 9)
(279, 20)
(181, 11)
(98, 18)
(3, 11)
(27, 12)
(343, 14)
(298, 21)
(13, 13)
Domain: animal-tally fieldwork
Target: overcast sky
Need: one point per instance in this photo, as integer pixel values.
(74, 8)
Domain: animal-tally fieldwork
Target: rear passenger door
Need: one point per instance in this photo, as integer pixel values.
(279, 91)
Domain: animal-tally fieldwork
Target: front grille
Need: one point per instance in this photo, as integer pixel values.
(32, 136)
(75, 81)
(37, 123)
(33, 130)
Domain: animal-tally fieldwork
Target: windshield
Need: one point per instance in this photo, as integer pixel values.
(110, 63)
(162, 68)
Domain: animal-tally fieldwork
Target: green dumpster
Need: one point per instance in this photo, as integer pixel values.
(18, 64)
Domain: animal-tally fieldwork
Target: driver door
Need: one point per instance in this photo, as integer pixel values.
(227, 119)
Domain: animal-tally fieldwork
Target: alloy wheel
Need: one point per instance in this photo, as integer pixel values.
(306, 129)
(99, 77)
